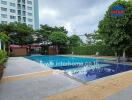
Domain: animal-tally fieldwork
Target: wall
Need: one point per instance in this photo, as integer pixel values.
(19, 51)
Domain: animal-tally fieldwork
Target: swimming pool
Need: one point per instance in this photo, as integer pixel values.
(59, 61)
(83, 69)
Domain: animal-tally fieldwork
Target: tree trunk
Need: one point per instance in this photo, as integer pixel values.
(124, 55)
(58, 49)
(0, 44)
(4, 46)
(116, 55)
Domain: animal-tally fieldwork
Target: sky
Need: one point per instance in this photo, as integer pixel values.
(77, 16)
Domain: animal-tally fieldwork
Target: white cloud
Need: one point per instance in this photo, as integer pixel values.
(80, 16)
(68, 26)
(48, 13)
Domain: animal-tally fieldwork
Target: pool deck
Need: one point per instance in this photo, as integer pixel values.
(27, 80)
(98, 90)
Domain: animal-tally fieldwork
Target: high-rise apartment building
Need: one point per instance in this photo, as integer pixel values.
(24, 11)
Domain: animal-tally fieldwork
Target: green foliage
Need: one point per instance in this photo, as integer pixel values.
(3, 56)
(74, 40)
(45, 31)
(21, 34)
(58, 38)
(116, 31)
(92, 38)
(3, 37)
(3, 27)
(92, 50)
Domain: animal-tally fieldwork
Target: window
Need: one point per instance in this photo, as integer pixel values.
(29, 2)
(19, 12)
(19, 6)
(4, 2)
(19, 18)
(23, 1)
(24, 19)
(4, 15)
(30, 20)
(29, 8)
(23, 7)
(19, 1)
(24, 13)
(4, 22)
(12, 11)
(12, 17)
(3, 9)
(30, 14)
(12, 4)
(30, 25)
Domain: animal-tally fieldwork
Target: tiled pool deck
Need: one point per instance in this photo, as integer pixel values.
(27, 80)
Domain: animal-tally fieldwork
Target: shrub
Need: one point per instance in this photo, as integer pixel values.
(90, 50)
(3, 56)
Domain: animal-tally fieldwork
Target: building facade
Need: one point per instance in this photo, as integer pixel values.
(24, 11)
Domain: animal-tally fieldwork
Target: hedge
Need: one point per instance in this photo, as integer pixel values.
(90, 50)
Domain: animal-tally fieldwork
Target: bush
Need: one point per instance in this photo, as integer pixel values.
(90, 50)
(65, 50)
(3, 56)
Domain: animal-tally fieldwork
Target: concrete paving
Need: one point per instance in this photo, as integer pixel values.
(125, 94)
(21, 65)
(18, 84)
(36, 88)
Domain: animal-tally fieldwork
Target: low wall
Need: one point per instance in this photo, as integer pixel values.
(19, 51)
(52, 51)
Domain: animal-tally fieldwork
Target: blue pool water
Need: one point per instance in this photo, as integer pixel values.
(83, 69)
(102, 69)
(59, 61)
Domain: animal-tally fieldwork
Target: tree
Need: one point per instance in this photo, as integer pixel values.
(45, 31)
(2, 27)
(21, 34)
(93, 38)
(74, 40)
(58, 38)
(3, 38)
(115, 31)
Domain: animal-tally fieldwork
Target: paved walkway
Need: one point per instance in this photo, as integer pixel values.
(21, 65)
(27, 80)
(125, 94)
(36, 88)
(98, 89)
